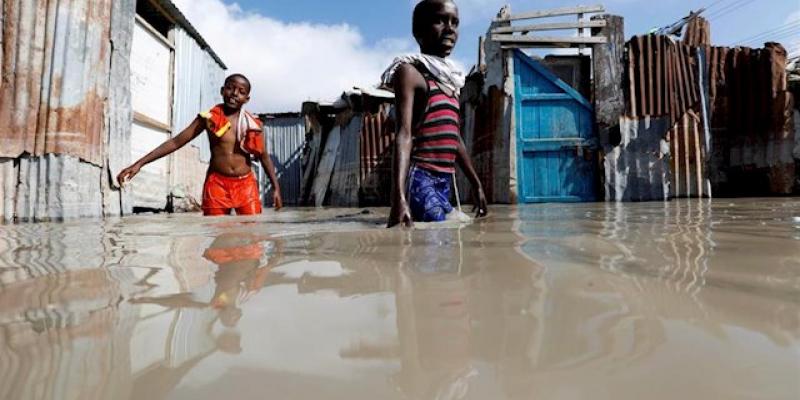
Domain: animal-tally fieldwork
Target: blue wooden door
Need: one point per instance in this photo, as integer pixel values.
(555, 137)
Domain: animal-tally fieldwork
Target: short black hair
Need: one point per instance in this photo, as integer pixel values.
(421, 11)
(237, 75)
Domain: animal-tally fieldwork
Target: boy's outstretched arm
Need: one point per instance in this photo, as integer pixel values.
(269, 167)
(405, 86)
(171, 145)
(478, 197)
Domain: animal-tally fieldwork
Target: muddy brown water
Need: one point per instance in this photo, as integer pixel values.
(683, 300)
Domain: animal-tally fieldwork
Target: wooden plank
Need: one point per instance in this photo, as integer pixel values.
(632, 80)
(649, 73)
(580, 34)
(149, 28)
(551, 26)
(325, 169)
(510, 46)
(555, 12)
(150, 122)
(548, 39)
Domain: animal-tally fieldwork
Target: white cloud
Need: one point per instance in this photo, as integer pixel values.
(289, 63)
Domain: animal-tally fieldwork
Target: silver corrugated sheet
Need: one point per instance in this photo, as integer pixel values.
(286, 137)
(198, 77)
(345, 182)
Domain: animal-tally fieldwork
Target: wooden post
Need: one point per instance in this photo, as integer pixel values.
(609, 97)
(580, 34)
(481, 55)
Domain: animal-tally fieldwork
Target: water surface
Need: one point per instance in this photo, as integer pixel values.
(683, 300)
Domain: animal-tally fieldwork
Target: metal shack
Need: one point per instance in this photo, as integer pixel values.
(285, 135)
(347, 157)
(668, 115)
(89, 85)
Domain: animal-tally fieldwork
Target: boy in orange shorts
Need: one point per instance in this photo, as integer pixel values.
(236, 137)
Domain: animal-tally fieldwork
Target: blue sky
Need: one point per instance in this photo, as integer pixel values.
(336, 43)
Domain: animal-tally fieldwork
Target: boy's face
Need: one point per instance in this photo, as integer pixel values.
(439, 34)
(235, 93)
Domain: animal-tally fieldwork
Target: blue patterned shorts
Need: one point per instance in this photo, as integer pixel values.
(429, 195)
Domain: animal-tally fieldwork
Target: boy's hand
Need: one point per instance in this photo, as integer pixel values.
(127, 174)
(401, 215)
(480, 209)
(277, 200)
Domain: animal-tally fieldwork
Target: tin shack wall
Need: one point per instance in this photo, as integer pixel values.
(65, 107)
(55, 69)
(285, 139)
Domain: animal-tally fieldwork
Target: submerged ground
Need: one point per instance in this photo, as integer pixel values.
(683, 300)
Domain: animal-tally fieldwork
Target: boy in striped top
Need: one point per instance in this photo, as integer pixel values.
(429, 144)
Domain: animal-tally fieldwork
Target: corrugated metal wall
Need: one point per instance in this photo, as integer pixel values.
(743, 147)
(55, 65)
(687, 157)
(345, 183)
(198, 78)
(662, 77)
(286, 138)
(65, 107)
(377, 140)
(195, 66)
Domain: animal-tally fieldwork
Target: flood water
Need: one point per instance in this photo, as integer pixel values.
(683, 300)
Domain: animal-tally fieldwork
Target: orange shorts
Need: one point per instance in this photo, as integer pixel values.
(222, 193)
(226, 255)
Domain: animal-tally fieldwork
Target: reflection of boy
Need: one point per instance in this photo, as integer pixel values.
(434, 317)
(241, 272)
(429, 144)
(234, 135)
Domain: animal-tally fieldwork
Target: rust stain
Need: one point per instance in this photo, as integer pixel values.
(32, 117)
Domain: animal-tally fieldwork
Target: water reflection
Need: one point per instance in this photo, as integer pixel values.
(603, 301)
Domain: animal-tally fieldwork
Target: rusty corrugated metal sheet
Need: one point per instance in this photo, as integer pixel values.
(661, 77)
(751, 121)
(377, 139)
(286, 136)
(697, 32)
(688, 155)
(55, 65)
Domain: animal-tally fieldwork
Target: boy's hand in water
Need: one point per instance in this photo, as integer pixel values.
(277, 200)
(127, 174)
(401, 215)
(480, 209)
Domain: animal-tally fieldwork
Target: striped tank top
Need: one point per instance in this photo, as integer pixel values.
(437, 138)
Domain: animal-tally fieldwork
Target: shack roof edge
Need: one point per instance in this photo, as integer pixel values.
(175, 13)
